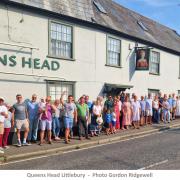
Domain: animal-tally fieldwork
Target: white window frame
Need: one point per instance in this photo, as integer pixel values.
(154, 63)
(108, 63)
(60, 42)
(59, 84)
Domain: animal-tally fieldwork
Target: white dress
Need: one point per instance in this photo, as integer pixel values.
(178, 107)
(136, 111)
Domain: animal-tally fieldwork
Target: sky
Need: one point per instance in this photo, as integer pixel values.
(166, 12)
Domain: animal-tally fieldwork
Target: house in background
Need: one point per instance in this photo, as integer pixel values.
(83, 47)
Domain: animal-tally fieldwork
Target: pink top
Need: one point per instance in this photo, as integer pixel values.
(48, 113)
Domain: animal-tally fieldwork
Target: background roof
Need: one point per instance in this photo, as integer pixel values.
(117, 18)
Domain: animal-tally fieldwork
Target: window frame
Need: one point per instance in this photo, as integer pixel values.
(49, 82)
(178, 92)
(153, 73)
(157, 90)
(107, 52)
(49, 40)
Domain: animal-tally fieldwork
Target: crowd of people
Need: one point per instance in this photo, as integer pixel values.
(61, 119)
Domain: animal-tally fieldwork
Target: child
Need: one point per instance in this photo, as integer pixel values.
(108, 121)
(7, 127)
(113, 122)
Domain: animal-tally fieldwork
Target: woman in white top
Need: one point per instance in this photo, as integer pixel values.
(178, 106)
(156, 113)
(96, 112)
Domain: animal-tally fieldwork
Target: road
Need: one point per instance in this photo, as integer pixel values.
(157, 151)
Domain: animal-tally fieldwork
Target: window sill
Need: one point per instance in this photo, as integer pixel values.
(156, 74)
(61, 58)
(113, 66)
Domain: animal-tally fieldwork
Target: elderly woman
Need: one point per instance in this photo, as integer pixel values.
(178, 106)
(136, 109)
(127, 112)
(96, 112)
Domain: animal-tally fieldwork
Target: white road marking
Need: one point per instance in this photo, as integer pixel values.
(155, 164)
(81, 149)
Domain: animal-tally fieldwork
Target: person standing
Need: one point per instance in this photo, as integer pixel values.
(166, 109)
(96, 113)
(3, 115)
(20, 119)
(113, 122)
(90, 105)
(127, 113)
(149, 112)
(109, 104)
(33, 114)
(136, 109)
(178, 106)
(7, 126)
(108, 119)
(174, 106)
(82, 117)
(46, 120)
(120, 111)
(170, 101)
(143, 111)
(56, 119)
(117, 112)
(70, 113)
(156, 113)
(160, 106)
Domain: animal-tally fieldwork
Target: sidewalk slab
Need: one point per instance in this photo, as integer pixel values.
(20, 153)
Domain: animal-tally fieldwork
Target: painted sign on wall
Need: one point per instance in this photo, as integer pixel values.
(34, 63)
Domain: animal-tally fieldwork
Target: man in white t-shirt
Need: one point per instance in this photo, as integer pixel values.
(3, 115)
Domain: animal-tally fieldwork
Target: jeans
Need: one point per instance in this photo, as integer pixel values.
(33, 128)
(56, 126)
(166, 115)
(82, 123)
(156, 115)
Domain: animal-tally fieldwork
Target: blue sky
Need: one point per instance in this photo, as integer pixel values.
(166, 12)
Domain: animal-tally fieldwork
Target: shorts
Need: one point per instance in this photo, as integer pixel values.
(45, 125)
(149, 113)
(143, 113)
(68, 122)
(1, 128)
(113, 123)
(21, 124)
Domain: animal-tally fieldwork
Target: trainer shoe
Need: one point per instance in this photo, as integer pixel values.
(26, 144)
(19, 144)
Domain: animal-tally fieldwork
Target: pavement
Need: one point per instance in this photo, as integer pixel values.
(156, 151)
(59, 147)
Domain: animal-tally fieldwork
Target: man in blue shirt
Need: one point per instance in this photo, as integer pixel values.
(33, 113)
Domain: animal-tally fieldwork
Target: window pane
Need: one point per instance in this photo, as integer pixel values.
(113, 51)
(154, 62)
(61, 40)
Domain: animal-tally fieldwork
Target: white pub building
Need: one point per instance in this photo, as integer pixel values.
(84, 47)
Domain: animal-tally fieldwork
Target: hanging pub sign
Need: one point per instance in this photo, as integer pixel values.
(142, 58)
